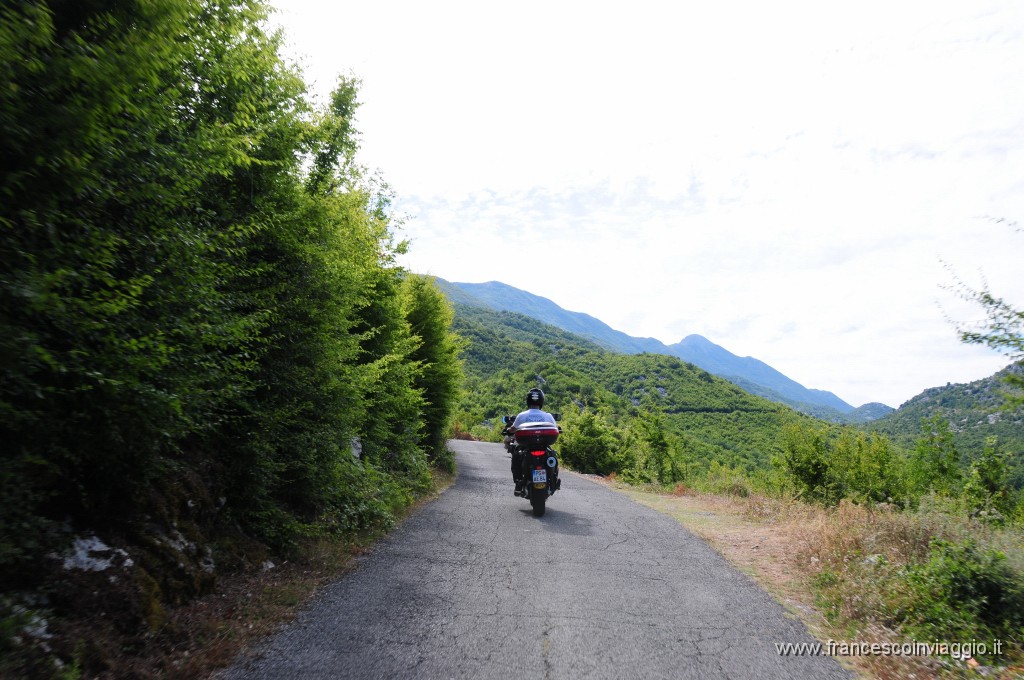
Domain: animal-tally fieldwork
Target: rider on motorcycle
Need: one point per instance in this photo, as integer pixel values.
(532, 414)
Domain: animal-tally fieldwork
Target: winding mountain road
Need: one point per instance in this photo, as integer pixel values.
(474, 586)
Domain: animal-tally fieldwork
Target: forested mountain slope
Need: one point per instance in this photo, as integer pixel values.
(749, 373)
(715, 420)
(975, 411)
(507, 353)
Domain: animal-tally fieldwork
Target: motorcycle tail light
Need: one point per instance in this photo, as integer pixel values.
(538, 453)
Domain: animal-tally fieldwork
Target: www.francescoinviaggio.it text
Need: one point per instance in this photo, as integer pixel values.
(957, 650)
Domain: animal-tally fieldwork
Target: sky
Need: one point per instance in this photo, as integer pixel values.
(803, 182)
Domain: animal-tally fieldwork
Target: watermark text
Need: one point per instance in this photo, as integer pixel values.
(956, 650)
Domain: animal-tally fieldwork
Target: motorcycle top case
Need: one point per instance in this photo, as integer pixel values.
(536, 436)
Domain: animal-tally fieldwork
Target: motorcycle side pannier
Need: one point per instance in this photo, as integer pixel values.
(536, 436)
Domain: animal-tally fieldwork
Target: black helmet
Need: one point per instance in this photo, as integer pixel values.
(535, 398)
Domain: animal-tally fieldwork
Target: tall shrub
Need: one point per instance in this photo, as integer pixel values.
(430, 318)
(128, 129)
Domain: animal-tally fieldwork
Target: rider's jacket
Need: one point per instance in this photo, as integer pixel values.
(532, 415)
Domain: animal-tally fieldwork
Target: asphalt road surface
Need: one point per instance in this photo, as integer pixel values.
(475, 586)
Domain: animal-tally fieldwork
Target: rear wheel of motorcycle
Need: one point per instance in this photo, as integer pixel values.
(537, 501)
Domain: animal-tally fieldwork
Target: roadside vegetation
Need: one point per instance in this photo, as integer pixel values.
(210, 360)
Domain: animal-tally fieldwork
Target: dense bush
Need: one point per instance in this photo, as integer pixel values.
(437, 353)
(201, 318)
(828, 464)
(987, 490)
(962, 593)
(590, 444)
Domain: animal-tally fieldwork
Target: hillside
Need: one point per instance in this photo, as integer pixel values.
(975, 412)
(508, 348)
(502, 297)
(507, 353)
(749, 373)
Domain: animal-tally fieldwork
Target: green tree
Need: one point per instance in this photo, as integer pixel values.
(127, 131)
(199, 300)
(589, 442)
(867, 467)
(986, 491)
(935, 462)
(806, 458)
(392, 427)
(198, 281)
(659, 460)
(440, 379)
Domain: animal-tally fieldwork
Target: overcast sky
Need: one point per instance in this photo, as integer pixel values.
(791, 180)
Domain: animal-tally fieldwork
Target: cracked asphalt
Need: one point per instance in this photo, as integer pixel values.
(474, 586)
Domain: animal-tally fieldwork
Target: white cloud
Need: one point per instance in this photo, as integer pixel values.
(783, 178)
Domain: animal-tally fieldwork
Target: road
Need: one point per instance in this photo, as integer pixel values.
(475, 586)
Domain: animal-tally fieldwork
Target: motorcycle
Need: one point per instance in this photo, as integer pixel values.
(531, 443)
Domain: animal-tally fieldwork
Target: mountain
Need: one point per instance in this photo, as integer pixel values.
(867, 413)
(712, 419)
(749, 373)
(975, 412)
(502, 297)
(715, 359)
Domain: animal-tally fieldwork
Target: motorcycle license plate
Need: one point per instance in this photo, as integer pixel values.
(540, 477)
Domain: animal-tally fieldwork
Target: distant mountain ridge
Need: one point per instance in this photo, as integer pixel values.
(505, 298)
(715, 359)
(751, 374)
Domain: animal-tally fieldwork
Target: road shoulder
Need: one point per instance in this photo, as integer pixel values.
(771, 544)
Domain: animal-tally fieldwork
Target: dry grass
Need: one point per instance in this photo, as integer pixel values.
(209, 633)
(827, 565)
